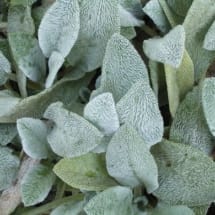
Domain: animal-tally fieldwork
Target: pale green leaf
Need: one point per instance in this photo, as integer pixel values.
(87, 172)
(56, 60)
(180, 6)
(59, 27)
(8, 168)
(101, 111)
(139, 108)
(129, 160)
(7, 133)
(128, 32)
(208, 101)
(156, 13)
(70, 208)
(33, 133)
(13, 108)
(5, 68)
(171, 210)
(36, 184)
(122, 67)
(71, 135)
(197, 22)
(201, 210)
(116, 200)
(169, 49)
(99, 21)
(209, 41)
(173, 18)
(189, 125)
(179, 82)
(186, 175)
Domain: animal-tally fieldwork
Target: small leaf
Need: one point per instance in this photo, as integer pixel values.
(101, 111)
(8, 168)
(99, 21)
(189, 125)
(201, 210)
(208, 96)
(71, 135)
(36, 184)
(129, 160)
(33, 134)
(128, 32)
(122, 67)
(139, 108)
(116, 200)
(195, 34)
(186, 175)
(209, 41)
(5, 68)
(87, 172)
(154, 10)
(7, 133)
(56, 60)
(169, 49)
(70, 208)
(59, 28)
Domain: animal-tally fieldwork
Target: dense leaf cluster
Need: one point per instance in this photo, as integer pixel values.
(91, 126)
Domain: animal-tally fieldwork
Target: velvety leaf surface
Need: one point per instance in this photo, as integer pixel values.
(7, 133)
(36, 184)
(5, 68)
(33, 133)
(101, 111)
(116, 200)
(71, 135)
(209, 41)
(9, 167)
(169, 49)
(87, 172)
(186, 175)
(189, 125)
(129, 160)
(139, 108)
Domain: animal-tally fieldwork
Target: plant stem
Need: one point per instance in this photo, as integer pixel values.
(52, 205)
(60, 190)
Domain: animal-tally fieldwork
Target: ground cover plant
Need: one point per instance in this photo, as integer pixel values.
(107, 107)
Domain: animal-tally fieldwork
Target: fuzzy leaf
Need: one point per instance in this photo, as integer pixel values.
(169, 49)
(179, 82)
(128, 32)
(59, 27)
(208, 96)
(129, 160)
(56, 60)
(33, 134)
(87, 172)
(201, 210)
(186, 175)
(7, 133)
(101, 111)
(156, 13)
(70, 208)
(180, 6)
(122, 67)
(13, 108)
(8, 168)
(209, 41)
(5, 68)
(71, 135)
(196, 25)
(99, 21)
(36, 184)
(139, 108)
(116, 200)
(189, 125)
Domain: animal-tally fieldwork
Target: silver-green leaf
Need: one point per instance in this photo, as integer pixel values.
(209, 41)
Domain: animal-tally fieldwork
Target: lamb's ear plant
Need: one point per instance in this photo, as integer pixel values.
(107, 107)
